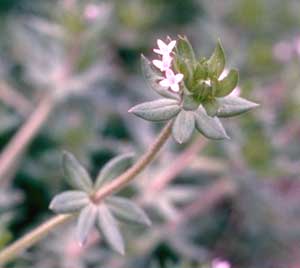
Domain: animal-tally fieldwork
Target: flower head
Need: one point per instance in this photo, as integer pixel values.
(172, 80)
(164, 49)
(163, 64)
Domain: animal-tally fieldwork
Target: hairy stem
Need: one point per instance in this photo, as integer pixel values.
(42, 230)
(31, 238)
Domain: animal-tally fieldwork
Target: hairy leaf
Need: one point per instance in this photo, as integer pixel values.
(69, 202)
(183, 126)
(158, 110)
(110, 229)
(210, 127)
(114, 168)
(76, 173)
(126, 210)
(231, 106)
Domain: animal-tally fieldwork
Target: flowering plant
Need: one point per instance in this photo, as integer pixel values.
(197, 92)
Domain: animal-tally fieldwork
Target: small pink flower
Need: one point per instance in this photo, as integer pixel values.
(163, 64)
(283, 51)
(164, 49)
(218, 263)
(172, 80)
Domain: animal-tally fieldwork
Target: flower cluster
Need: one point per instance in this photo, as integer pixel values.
(170, 80)
(208, 90)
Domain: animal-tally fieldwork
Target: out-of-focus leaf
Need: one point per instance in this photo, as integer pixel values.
(152, 77)
(76, 173)
(86, 222)
(110, 229)
(183, 126)
(216, 62)
(228, 84)
(158, 110)
(126, 210)
(210, 127)
(231, 106)
(114, 168)
(69, 202)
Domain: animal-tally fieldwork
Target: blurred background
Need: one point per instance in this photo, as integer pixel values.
(69, 72)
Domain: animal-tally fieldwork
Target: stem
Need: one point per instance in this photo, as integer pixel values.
(31, 238)
(23, 137)
(41, 231)
(128, 175)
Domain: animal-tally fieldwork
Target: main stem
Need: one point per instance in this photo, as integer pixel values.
(41, 231)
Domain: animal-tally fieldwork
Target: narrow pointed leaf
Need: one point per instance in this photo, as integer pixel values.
(231, 106)
(210, 127)
(127, 210)
(69, 202)
(183, 126)
(153, 77)
(86, 222)
(228, 84)
(158, 110)
(185, 50)
(76, 173)
(114, 168)
(110, 229)
(216, 62)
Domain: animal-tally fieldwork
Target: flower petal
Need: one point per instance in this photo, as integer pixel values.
(158, 51)
(171, 45)
(165, 83)
(175, 87)
(159, 64)
(178, 77)
(162, 46)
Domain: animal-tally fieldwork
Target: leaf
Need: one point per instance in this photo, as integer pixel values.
(232, 105)
(210, 127)
(228, 84)
(85, 223)
(211, 107)
(77, 175)
(158, 110)
(109, 227)
(183, 126)
(127, 210)
(216, 62)
(200, 72)
(152, 77)
(185, 50)
(69, 202)
(114, 168)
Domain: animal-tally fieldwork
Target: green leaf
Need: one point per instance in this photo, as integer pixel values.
(85, 223)
(110, 229)
(76, 173)
(69, 202)
(228, 84)
(183, 126)
(216, 62)
(211, 107)
(210, 127)
(158, 110)
(185, 50)
(114, 168)
(231, 106)
(200, 72)
(126, 210)
(189, 103)
(153, 77)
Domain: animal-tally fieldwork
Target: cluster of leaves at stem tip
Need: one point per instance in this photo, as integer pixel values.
(104, 215)
(205, 93)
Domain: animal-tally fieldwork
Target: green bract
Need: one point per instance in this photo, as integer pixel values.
(205, 94)
(105, 215)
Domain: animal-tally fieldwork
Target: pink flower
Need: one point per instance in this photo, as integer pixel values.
(164, 49)
(283, 51)
(163, 64)
(172, 80)
(218, 263)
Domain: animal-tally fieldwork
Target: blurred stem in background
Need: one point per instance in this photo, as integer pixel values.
(118, 183)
